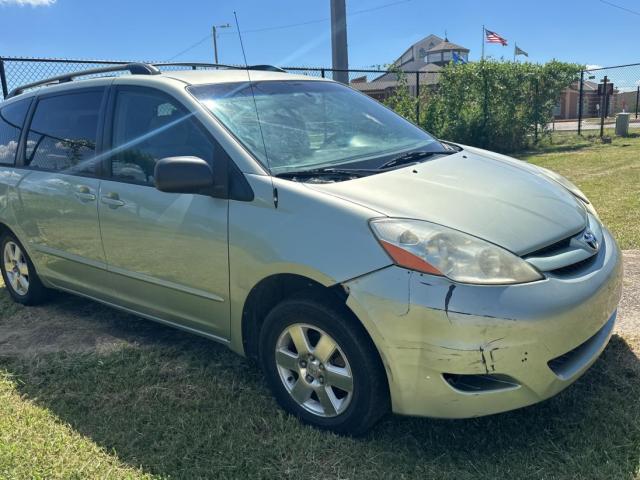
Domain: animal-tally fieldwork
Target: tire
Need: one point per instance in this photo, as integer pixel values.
(19, 274)
(339, 386)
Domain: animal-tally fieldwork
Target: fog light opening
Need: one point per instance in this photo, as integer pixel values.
(480, 383)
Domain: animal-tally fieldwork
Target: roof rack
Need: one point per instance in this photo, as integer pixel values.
(193, 65)
(269, 68)
(133, 68)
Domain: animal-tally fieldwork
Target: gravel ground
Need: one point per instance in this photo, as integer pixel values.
(629, 312)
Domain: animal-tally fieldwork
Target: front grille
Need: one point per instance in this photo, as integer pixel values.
(567, 256)
(576, 267)
(552, 249)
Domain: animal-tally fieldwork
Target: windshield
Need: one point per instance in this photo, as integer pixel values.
(311, 124)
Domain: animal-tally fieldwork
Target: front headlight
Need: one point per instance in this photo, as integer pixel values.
(437, 250)
(572, 188)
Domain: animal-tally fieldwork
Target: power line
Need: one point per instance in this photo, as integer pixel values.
(628, 10)
(188, 49)
(290, 25)
(320, 20)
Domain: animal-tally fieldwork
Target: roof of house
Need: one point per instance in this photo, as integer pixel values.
(446, 45)
(429, 38)
(588, 86)
(390, 80)
(410, 67)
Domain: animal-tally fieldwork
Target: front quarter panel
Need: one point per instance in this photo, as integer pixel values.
(311, 234)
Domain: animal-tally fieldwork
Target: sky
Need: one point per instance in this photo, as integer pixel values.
(297, 33)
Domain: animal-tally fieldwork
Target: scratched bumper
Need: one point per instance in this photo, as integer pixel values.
(425, 327)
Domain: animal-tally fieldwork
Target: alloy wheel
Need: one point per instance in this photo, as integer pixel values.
(314, 370)
(16, 268)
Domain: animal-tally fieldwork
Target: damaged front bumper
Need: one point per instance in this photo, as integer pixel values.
(454, 351)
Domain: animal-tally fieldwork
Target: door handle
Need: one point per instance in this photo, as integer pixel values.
(84, 194)
(112, 199)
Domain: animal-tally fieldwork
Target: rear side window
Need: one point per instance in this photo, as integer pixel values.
(148, 126)
(11, 120)
(63, 132)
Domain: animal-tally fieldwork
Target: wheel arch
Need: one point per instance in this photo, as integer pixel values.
(270, 291)
(5, 228)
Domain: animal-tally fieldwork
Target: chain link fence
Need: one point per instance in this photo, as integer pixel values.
(379, 84)
(591, 104)
(15, 71)
(588, 104)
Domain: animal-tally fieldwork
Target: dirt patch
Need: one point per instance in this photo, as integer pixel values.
(70, 324)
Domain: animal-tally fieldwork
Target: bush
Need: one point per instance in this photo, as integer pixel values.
(500, 106)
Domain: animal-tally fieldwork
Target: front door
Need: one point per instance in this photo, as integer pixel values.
(167, 253)
(56, 204)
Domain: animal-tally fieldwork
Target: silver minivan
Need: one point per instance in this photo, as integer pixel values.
(367, 266)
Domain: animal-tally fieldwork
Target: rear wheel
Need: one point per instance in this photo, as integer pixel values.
(322, 367)
(19, 274)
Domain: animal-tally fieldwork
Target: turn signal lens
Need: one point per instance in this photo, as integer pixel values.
(406, 259)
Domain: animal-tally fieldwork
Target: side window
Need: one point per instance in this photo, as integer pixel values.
(11, 120)
(63, 132)
(149, 126)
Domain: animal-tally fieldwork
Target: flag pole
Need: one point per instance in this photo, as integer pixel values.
(483, 29)
(515, 46)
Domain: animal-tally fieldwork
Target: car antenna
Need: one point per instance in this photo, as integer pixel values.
(255, 105)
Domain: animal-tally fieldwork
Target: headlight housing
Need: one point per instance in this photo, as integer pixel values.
(430, 248)
(556, 177)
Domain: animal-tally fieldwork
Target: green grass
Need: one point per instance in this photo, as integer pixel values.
(609, 174)
(88, 392)
(165, 404)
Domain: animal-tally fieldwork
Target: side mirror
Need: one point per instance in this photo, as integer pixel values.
(183, 175)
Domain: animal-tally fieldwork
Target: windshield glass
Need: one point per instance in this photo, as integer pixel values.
(311, 124)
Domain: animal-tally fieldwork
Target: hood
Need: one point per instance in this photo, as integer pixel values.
(505, 201)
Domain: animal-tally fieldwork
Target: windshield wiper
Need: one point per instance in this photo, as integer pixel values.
(400, 160)
(327, 171)
(409, 159)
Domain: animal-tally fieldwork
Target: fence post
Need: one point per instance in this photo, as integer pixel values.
(637, 101)
(603, 106)
(3, 79)
(536, 114)
(485, 103)
(322, 72)
(417, 98)
(580, 102)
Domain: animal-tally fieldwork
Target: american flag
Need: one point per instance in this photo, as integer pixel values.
(493, 37)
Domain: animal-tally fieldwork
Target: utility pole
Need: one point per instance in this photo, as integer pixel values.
(339, 55)
(215, 40)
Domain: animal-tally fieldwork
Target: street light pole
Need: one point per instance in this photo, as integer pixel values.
(215, 40)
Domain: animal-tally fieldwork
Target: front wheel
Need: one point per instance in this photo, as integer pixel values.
(322, 367)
